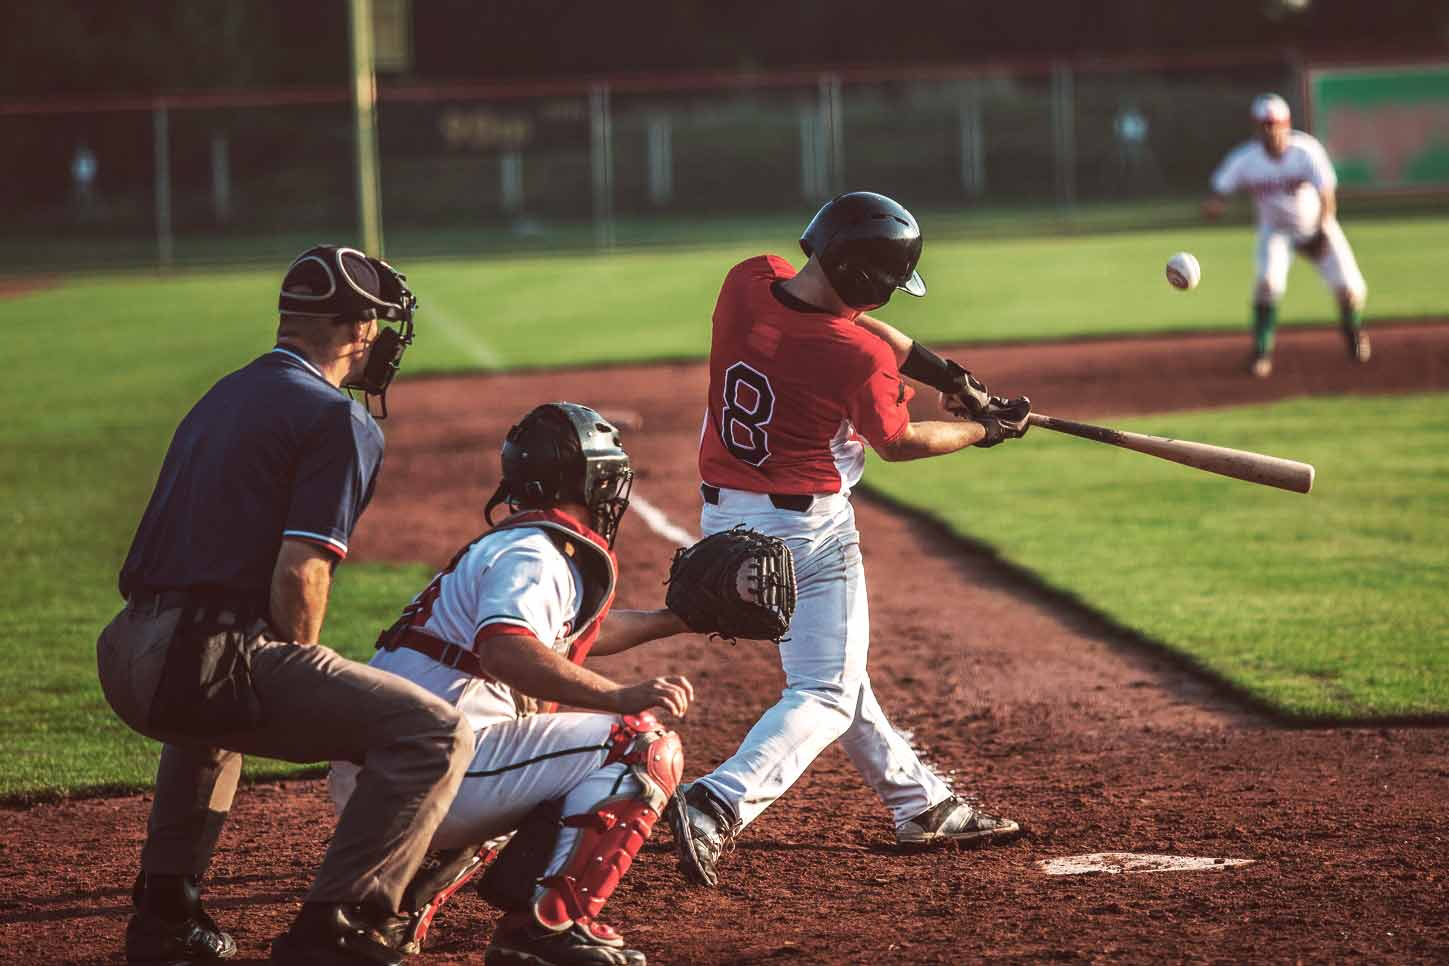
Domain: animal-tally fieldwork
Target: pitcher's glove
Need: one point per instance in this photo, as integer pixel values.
(1315, 246)
(1004, 419)
(732, 584)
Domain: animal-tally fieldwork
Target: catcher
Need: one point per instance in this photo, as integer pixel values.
(502, 633)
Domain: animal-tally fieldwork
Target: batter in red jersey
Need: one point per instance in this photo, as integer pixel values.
(801, 381)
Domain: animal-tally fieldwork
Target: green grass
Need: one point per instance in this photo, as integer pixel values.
(1330, 605)
(102, 368)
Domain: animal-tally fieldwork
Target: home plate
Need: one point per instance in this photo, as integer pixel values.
(1117, 862)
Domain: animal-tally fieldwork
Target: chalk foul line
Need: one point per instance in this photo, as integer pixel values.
(656, 520)
(1114, 863)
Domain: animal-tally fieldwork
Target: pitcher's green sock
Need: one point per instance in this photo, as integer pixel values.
(1265, 320)
(1351, 318)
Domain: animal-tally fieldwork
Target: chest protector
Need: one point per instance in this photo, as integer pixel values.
(597, 566)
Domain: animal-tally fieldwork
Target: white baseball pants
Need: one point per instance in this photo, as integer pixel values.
(1337, 267)
(827, 694)
(518, 765)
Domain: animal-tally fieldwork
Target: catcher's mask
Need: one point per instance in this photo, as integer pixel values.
(566, 453)
(343, 284)
(868, 246)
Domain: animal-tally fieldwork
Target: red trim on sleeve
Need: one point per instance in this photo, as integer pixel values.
(341, 554)
(501, 630)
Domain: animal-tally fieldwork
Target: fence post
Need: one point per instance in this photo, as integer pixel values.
(220, 177)
(661, 160)
(973, 140)
(510, 176)
(832, 125)
(1064, 140)
(161, 148)
(601, 138)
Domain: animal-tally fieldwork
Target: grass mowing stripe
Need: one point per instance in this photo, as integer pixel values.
(1329, 605)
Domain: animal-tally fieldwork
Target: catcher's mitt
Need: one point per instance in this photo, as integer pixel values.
(732, 584)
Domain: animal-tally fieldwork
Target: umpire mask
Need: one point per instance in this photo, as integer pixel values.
(345, 285)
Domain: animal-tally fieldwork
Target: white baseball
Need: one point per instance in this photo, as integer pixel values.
(1183, 271)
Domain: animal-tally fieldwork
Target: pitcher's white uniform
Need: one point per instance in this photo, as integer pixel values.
(513, 580)
(1285, 193)
(795, 393)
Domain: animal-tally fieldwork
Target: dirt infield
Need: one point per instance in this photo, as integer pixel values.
(1093, 740)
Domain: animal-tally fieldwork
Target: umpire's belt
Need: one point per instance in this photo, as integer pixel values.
(445, 653)
(782, 501)
(205, 605)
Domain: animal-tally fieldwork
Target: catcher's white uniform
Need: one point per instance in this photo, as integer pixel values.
(1285, 191)
(518, 580)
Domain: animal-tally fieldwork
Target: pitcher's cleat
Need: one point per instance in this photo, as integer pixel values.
(1261, 367)
(1359, 349)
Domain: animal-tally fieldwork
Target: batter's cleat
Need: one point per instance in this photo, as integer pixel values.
(955, 821)
(703, 828)
(332, 934)
(1261, 367)
(518, 939)
(1359, 349)
(170, 925)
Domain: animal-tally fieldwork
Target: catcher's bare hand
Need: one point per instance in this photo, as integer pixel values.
(1004, 419)
(672, 693)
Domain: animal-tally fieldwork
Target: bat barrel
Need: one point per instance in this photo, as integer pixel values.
(1235, 463)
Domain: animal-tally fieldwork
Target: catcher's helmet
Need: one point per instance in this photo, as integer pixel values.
(566, 453)
(868, 246)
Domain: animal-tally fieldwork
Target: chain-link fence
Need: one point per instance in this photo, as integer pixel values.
(601, 163)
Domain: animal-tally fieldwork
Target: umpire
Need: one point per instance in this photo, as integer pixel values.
(215, 653)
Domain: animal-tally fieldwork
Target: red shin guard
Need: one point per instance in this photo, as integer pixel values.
(614, 830)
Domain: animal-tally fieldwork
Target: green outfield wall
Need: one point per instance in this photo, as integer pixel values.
(1386, 128)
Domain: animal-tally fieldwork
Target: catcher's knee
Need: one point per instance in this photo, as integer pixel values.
(610, 832)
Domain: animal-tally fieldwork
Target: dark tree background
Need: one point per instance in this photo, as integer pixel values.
(80, 47)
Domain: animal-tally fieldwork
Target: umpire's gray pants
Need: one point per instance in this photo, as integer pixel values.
(317, 706)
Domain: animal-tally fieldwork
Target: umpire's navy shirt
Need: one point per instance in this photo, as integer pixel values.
(271, 451)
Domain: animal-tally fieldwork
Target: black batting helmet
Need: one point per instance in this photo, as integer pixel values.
(566, 453)
(868, 246)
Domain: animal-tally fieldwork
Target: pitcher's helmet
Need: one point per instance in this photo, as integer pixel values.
(868, 246)
(566, 453)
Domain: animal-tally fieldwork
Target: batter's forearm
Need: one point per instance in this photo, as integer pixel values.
(899, 342)
(624, 629)
(932, 438)
(525, 665)
(301, 583)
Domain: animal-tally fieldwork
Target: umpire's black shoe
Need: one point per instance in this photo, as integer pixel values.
(703, 828)
(518, 940)
(169, 924)
(332, 934)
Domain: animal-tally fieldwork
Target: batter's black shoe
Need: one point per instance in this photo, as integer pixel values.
(955, 821)
(519, 940)
(703, 828)
(332, 934)
(170, 925)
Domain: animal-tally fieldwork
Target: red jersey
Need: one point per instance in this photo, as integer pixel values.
(794, 391)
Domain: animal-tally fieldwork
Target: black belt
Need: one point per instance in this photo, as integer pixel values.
(208, 605)
(782, 501)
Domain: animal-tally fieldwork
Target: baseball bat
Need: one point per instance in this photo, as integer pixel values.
(1237, 463)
